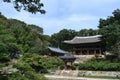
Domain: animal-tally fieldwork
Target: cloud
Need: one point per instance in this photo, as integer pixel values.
(69, 14)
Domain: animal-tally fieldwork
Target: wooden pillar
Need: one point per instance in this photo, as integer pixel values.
(65, 67)
(100, 51)
(71, 63)
(81, 51)
(94, 51)
(72, 50)
(87, 51)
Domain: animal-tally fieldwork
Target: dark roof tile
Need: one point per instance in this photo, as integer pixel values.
(58, 50)
(88, 39)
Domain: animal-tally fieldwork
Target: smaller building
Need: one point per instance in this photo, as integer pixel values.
(56, 51)
(68, 58)
(64, 55)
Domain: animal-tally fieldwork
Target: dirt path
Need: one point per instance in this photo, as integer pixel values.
(56, 77)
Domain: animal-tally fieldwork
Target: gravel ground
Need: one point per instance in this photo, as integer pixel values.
(56, 77)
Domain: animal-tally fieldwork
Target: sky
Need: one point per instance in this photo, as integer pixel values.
(64, 14)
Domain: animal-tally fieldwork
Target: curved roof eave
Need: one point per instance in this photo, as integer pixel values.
(88, 39)
(58, 50)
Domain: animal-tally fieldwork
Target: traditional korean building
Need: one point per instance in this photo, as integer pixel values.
(56, 51)
(68, 58)
(64, 55)
(89, 45)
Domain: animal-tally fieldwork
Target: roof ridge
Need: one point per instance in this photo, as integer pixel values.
(86, 39)
(87, 36)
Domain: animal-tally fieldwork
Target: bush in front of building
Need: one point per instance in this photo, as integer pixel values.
(98, 66)
(42, 63)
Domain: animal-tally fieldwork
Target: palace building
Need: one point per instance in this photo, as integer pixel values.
(89, 45)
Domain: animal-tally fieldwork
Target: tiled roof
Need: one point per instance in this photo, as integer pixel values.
(68, 57)
(58, 50)
(88, 39)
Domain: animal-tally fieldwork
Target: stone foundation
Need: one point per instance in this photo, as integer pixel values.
(99, 73)
(76, 73)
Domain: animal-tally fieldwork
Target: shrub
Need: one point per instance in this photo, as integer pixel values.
(98, 66)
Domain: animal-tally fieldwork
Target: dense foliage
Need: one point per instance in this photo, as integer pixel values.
(41, 63)
(30, 67)
(20, 37)
(16, 39)
(110, 29)
(68, 34)
(58, 38)
(98, 66)
(32, 6)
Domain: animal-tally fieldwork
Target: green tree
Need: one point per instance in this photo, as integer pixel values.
(111, 34)
(110, 29)
(14, 50)
(32, 6)
(41, 63)
(87, 32)
(58, 38)
(17, 37)
(29, 38)
(38, 29)
(110, 19)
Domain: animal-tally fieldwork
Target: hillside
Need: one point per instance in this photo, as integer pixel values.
(19, 39)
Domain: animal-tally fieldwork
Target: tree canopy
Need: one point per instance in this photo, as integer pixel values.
(110, 19)
(68, 34)
(18, 38)
(110, 29)
(32, 6)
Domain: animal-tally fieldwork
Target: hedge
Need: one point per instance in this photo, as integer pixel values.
(98, 66)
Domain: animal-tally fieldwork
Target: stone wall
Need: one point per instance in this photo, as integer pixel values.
(84, 58)
(55, 77)
(76, 73)
(99, 73)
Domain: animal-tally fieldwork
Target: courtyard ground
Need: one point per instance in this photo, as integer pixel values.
(56, 77)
